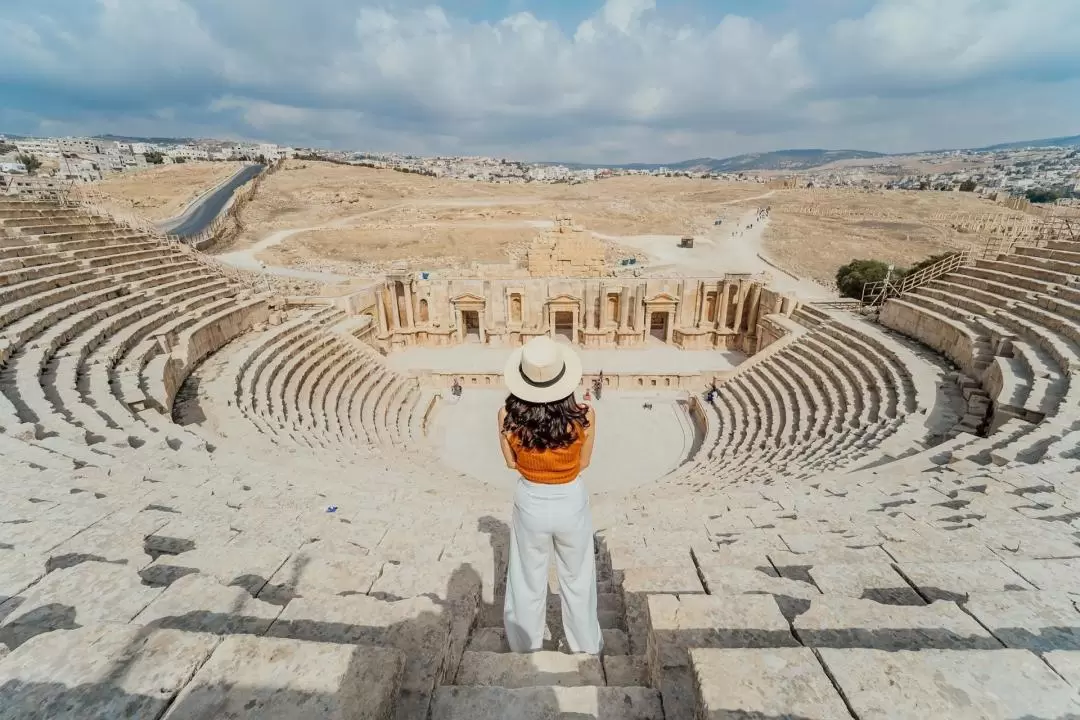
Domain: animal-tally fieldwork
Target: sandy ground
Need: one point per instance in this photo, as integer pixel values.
(633, 445)
(812, 232)
(428, 222)
(163, 191)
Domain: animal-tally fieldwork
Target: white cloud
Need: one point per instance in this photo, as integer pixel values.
(627, 83)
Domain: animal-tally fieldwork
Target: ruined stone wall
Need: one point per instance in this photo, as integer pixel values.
(717, 312)
(565, 251)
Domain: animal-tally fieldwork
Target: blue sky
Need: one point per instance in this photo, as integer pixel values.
(595, 80)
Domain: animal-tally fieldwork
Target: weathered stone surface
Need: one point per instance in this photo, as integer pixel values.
(737, 621)
(17, 572)
(877, 582)
(925, 550)
(954, 684)
(778, 682)
(1066, 663)
(307, 573)
(638, 582)
(956, 581)
(38, 535)
(843, 622)
(538, 669)
(493, 639)
(1062, 575)
(87, 593)
(100, 671)
(831, 556)
(539, 703)
(729, 580)
(626, 670)
(1037, 620)
(246, 566)
(419, 627)
(197, 603)
(250, 677)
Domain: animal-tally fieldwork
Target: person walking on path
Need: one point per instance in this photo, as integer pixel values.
(547, 437)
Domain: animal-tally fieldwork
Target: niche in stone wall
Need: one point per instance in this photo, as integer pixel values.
(515, 308)
(423, 311)
(710, 307)
(732, 309)
(612, 315)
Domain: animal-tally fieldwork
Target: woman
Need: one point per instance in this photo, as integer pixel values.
(547, 437)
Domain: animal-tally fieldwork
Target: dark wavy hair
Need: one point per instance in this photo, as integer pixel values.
(545, 426)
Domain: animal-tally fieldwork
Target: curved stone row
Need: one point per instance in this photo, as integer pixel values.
(80, 296)
(821, 402)
(1013, 325)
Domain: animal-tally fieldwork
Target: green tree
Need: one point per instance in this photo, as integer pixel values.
(30, 162)
(1042, 195)
(5, 148)
(179, 160)
(967, 186)
(850, 278)
(927, 262)
(154, 157)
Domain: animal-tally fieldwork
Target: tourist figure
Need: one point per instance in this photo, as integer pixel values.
(455, 388)
(547, 437)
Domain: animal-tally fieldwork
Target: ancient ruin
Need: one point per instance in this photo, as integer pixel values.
(565, 251)
(220, 500)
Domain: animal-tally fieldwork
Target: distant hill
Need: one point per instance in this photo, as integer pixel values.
(151, 140)
(776, 160)
(1067, 141)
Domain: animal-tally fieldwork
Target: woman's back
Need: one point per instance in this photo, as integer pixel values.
(549, 466)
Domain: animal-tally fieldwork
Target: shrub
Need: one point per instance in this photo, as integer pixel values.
(850, 278)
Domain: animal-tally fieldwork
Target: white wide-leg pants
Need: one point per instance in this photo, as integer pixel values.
(546, 516)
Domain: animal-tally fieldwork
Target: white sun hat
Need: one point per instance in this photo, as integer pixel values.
(542, 371)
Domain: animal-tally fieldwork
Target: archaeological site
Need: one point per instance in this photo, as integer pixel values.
(226, 497)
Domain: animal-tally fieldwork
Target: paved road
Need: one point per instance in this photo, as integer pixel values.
(199, 215)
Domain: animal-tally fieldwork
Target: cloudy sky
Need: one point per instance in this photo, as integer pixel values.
(590, 80)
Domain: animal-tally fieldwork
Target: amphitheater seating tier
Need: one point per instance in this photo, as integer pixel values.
(299, 548)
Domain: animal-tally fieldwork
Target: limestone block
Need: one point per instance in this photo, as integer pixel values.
(73, 674)
(957, 581)
(316, 573)
(36, 536)
(543, 703)
(246, 566)
(17, 572)
(831, 556)
(1063, 575)
(930, 550)
(954, 684)
(843, 622)
(639, 582)
(197, 603)
(625, 670)
(739, 621)
(538, 669)
(777, 682)
(1066, 663)
(1038, 620)
(106, 543)
(252, 677)
(419, 627)
(876, 581)
(87, 593)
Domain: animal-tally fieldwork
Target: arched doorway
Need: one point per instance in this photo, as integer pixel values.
(658, 325)
(564, 324)
(471, 321)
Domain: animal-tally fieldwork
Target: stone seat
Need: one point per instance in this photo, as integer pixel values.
(151, 255)
(9, 278)
(1001, 276)
(1057, 262)
(1017, 267)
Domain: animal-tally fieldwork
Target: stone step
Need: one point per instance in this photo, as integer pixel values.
(493, 639)
(546, 703)
(538, 669)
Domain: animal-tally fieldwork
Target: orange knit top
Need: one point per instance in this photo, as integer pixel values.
(554, 466)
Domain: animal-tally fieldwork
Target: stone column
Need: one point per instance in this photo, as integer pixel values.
(639, 312)
(700, 320)
(408, 304)
(551, 322)
(380, 313)
(577, 324)
(739, 302)
(624, 309)
(755, 308)
(394, 306)
(721, 314)
(590, 307)
(460, 324)
(670, 332)
(483, 325)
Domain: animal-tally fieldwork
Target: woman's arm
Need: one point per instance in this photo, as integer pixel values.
(504, 443)
(590, 437)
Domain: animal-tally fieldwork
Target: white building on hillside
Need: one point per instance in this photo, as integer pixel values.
(46, 147)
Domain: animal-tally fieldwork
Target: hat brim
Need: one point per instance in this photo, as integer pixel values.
(521, 387)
